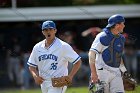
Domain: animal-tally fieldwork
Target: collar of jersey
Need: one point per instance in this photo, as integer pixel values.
(50, 45)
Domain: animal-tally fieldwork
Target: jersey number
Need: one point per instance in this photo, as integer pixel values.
(53, 66)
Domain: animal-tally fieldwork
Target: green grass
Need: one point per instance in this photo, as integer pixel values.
(85, 90)
(69, 90)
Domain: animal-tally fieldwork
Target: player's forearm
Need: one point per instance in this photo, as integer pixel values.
(92, 56)
(75, 68)
(122, 67)
(122, 61)
(93, 68)
(33, 71)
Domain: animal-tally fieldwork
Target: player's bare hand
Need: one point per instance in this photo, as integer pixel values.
(38, 80)
(94, 78)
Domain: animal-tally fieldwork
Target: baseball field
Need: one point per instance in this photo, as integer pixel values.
(70, 90)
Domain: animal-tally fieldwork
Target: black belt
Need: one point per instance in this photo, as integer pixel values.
(100, 69)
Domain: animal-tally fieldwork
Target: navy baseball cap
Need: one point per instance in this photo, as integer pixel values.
(48, 24)
(114, 19)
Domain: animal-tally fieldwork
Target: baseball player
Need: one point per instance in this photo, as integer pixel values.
(105, 55)
(51, 57)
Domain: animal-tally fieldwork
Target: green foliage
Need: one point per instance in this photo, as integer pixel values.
(43, 3)
(53, 3)
(81, 2)
(104, 2)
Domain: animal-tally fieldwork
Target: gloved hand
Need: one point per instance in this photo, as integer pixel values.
(126, 74)
(129, 82)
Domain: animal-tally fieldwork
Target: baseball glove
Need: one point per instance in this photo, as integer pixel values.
(129, 82)
(96, 88)
(61, 81)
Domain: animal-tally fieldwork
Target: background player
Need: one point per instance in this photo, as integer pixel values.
(105, 55)
(51, 57)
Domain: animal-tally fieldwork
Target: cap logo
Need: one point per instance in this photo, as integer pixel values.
(49, 25)
(119, 45)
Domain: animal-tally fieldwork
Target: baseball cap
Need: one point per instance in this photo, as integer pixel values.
(48, 24)
(114, 19)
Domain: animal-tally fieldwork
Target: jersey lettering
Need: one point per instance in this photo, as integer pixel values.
(47, 56)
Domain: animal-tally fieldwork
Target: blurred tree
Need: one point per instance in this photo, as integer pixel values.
(43, 3)
(5, 3)
(114, 2)
(53, 3)
(83, 2)
(56, 2)
(103, 2)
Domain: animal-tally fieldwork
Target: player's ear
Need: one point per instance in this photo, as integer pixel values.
(55, 30)
(43, 33)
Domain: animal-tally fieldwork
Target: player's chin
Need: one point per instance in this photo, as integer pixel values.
(50, 38)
